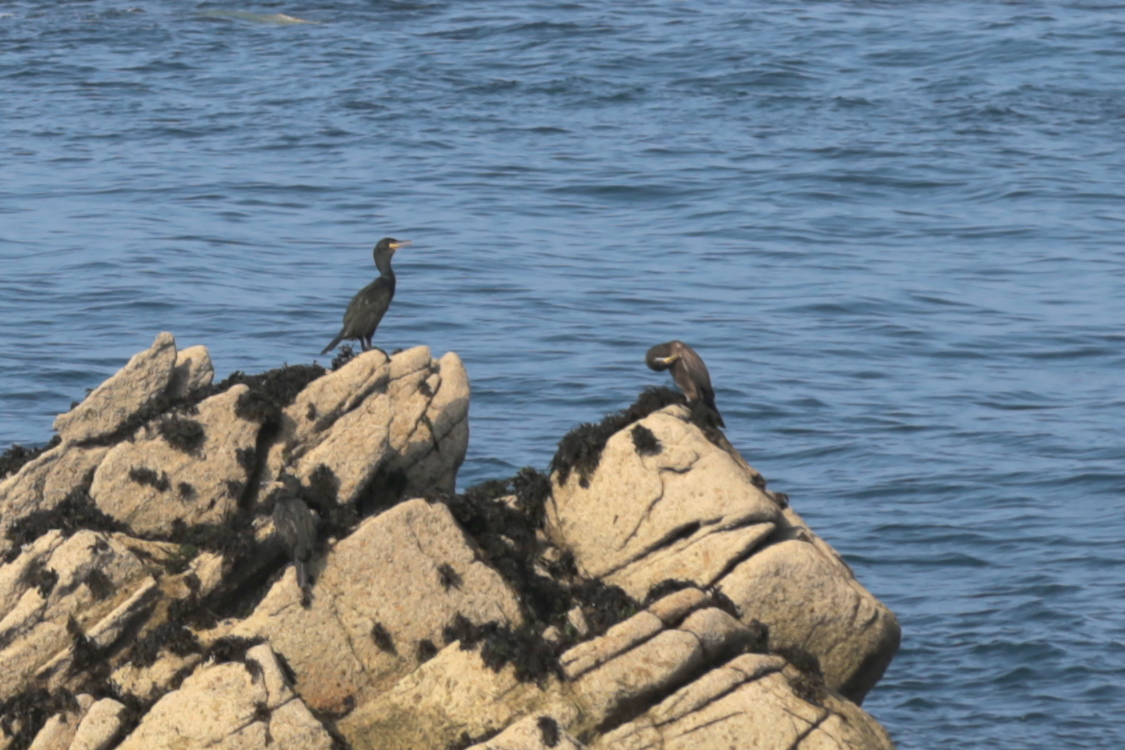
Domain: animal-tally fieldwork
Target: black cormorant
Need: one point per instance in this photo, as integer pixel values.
(296, 526)
(688, 371)
(370, 304)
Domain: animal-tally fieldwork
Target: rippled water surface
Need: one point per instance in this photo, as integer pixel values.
(894, 231)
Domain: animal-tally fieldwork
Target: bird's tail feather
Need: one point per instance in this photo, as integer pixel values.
(302, 575)
(332, 346)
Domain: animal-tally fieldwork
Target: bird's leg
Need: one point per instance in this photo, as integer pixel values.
(364, 344)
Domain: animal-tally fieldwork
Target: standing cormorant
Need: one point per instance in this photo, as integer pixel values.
(296, 526)
(370, 304)
(688, 371)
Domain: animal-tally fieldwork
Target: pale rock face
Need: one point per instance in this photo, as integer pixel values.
(200, 486)
(193, 370)
(386, 574)
(809, 598)
(228, 706)
(110, 405)
(44, 482)
(684, 513)
(98, 726)
(406, 416)
(92, 574)
(748, 702)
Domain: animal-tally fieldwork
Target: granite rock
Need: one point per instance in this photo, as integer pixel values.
(112, 404)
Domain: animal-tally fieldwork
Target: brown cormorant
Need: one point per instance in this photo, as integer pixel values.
(296, 526)
(370, 304)
(688, 371)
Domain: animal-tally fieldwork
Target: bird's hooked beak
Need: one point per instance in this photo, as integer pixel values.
(401, 243)
(669, 360)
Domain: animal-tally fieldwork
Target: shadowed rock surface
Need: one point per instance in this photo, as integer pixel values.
(655, 597)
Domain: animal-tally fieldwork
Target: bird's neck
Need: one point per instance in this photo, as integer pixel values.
(385, 270)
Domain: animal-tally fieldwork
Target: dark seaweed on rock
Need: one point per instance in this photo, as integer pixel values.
(718, 599)
(344, 355)
(272, 390)
(183, 434)
(724, 602)
(171, 636)
(24, 714)
(603, 605)
(76, 512)
(804, 661)
(146, 476)
(14, 459)
(646, 443)
(286, 670)
(231, 648)
(449, 577)
(38, 576)
(506, 538)
(668, 586)
(382, 638)
(321, 494)
(534, 658)
(759, 641)
(468, 740)
(580, 450)
(808, 683)
(425, 650)
(99, 584)
(532, 489)
(548, 730)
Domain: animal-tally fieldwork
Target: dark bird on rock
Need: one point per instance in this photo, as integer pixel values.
(370, 304)
(296, 525)
(688, 371)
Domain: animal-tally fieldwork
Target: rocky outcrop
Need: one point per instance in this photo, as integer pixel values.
(248, 704)
(378, 419)
(685, 509)
(179, 468)
(111, 405)
(648, 593)
(368, 624)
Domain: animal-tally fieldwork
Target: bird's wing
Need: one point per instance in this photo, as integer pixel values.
(306, 524)
(367, 308)
(697, 373)
(693, 363)
(286, 521)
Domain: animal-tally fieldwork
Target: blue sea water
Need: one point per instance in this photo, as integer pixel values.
(893, 230)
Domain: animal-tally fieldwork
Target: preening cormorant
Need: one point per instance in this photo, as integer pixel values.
(688, 371)
(296, 526)
(370, 304)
